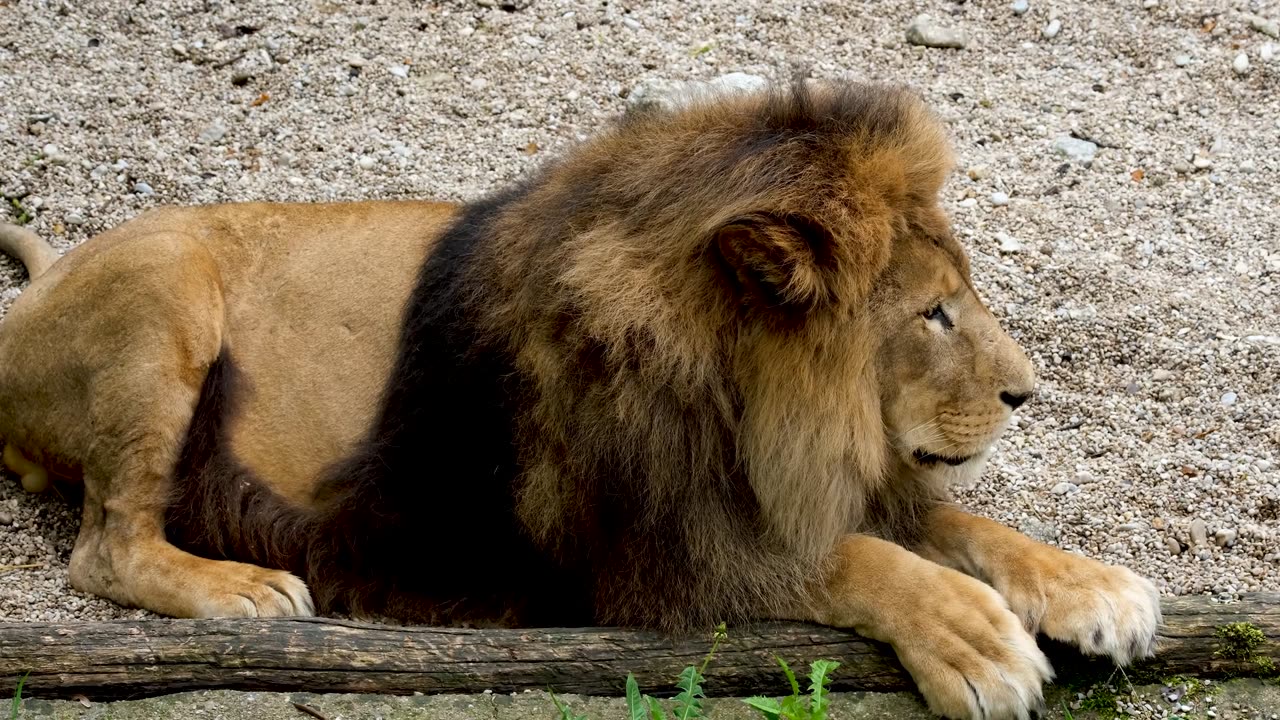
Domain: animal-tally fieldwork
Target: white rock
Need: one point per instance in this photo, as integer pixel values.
(1174, 547)
(367, 162)
(1240, 65)
(1199, 532)
(1226, 537)
(1160, 374)
(1265, 26)
(1064, 488)
(1085, 478)
(400, 71)
(74, 218)
(1008, 243)
(213, 133)
(999, 198)
(1052, 29)
(1267, 52)
(668, 95)
(1019, 7)
(923, 31)
(632, 23)
(143, 188)
(1081, 151)
(1182, 60)
(1228, 398)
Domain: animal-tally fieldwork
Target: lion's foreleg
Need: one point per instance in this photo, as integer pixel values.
(968, 654)
(1103, 609)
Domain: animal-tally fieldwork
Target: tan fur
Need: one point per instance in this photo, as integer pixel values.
(300, 292)
(806, 295)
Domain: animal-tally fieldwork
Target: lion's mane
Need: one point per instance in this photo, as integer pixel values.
(596, 415)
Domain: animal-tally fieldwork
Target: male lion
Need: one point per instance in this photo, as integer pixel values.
(719, 363)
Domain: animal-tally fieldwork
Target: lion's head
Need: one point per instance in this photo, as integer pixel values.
(950, 378)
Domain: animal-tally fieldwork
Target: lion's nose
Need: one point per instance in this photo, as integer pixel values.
(1014, 400)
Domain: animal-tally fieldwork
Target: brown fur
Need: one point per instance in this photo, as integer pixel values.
(718, 364)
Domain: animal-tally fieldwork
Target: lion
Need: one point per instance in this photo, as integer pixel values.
(719, 363)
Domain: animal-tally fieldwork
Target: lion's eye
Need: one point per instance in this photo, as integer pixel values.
(937, 314)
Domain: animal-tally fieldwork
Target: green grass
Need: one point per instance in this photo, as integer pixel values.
(688, 703)
(17, 699)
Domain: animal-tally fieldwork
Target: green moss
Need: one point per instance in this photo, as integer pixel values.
(1240, 640)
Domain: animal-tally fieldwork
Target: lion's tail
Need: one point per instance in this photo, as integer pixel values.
(28, 247)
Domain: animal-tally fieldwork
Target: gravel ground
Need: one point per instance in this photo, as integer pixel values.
(1143, 282)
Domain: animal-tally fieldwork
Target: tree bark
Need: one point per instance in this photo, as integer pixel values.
(129, 659)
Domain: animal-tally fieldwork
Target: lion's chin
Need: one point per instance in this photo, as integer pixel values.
(948, 470)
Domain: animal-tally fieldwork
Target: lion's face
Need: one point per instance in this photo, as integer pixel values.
(950, 376)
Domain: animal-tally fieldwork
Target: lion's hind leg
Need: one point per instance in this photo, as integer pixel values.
(114, 357)
(35, 479)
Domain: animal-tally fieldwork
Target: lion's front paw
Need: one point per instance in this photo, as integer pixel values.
(969, 655)
(1102, 609)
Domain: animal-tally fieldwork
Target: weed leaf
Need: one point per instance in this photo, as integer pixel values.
(819, 677)
(767, 707)
(637, 709)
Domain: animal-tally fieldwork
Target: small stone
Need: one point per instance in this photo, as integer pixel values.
(73, 218)
(1240, 65)
(1081, 151)
(1008, 243)
(1267, 52)
(143, 188)
(667, 95)
(6, 518)
(978, 172)
(400, 71)
(1148, 4)
(1201, 162)
(1228, 399)
(1064, 488)
(213, 133)
(1019, 7)
(1158, 523)
(999, 198)
(923, 31)
(1204, 554)
(1199, 532)
(1052, 29)
(1160, 375)
(1182, 60)
(1038, 530)
(1265, 26)
(1182, 167)
(1226, 537)
(179, 49)
(1085, 478)
(355, 61)
(632, 23)
(367, 162)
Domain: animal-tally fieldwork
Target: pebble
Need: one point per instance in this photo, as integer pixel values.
(1148, 4)
(1174, 547)
(632, 23)
(1265, 26)
(367, 162)
(1064, 488)
(1019, 7)
(6, 518)
(1160, 375)
(1052, 29)
(1267, 52)
(1226, 537)
(1008, 243)
(1081, 151)
(978, 172)
(1182, 60)
(400, 71)
(666, 95)
(143, 188)
(1240, 65)
(1199, 532)
(1201, 162)
(923, 31)
(1228, 399)
(213, 133)
(1085, 478)
(999, 198)
(1039, 530)
(73, 218)
(1182, 167)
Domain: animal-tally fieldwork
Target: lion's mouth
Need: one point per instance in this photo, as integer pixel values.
(928, 458)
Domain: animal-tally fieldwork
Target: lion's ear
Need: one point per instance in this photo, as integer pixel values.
(780, 261)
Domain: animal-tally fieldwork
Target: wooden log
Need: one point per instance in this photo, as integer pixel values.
(129, 659)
